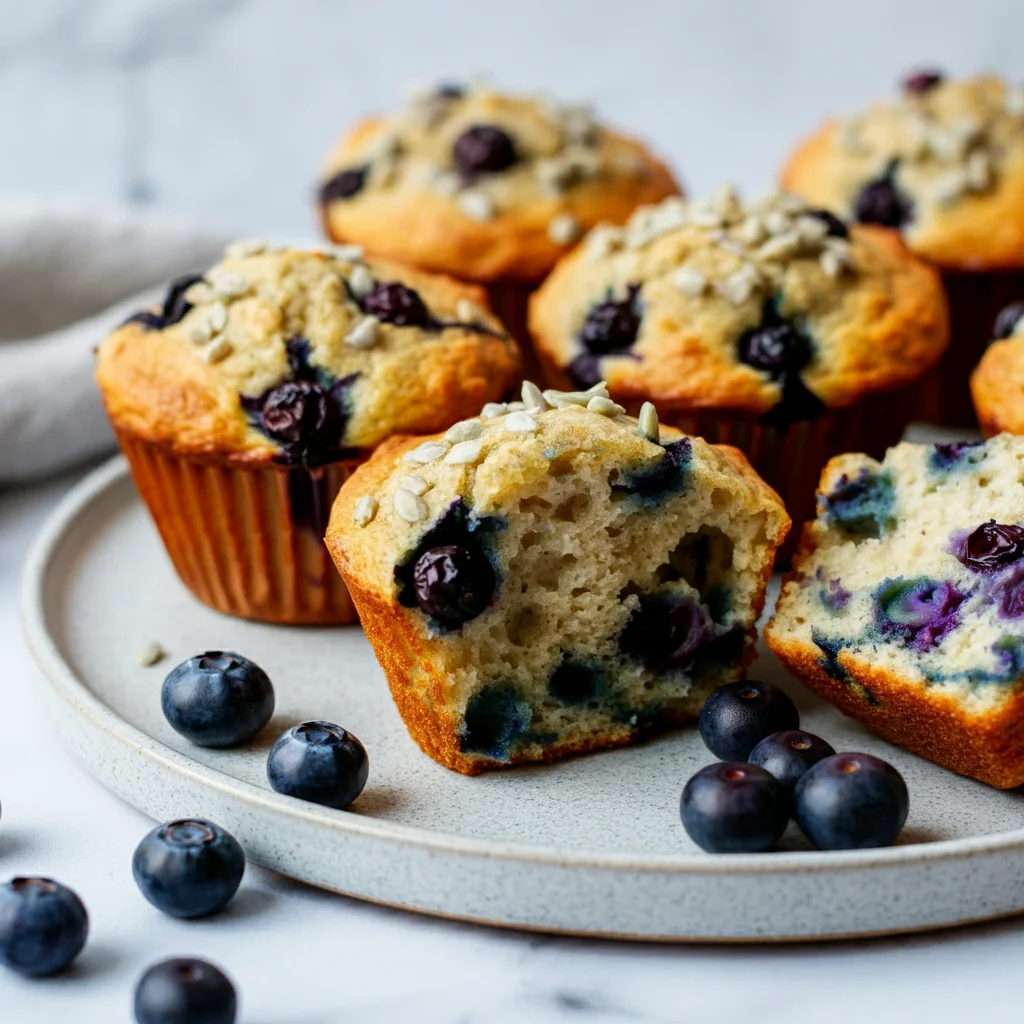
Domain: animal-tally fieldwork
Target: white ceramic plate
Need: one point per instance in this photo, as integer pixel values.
(589, 846)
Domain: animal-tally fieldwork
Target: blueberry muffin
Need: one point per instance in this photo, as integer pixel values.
(553, 577)
(484, 186)
(997, 384)
(944, 163)
(255, 390)
(905, 605)
(773, 326)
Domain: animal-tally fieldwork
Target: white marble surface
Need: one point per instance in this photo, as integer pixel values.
(221, 110)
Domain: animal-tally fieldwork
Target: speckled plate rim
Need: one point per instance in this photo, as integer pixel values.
(78, 702)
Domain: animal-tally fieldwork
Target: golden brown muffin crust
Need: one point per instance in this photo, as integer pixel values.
(997, 385)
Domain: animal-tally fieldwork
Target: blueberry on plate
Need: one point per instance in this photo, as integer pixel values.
(734, 808)
(789, 754)
(851, 802)
(188, 868)
(319, 762)
(185, 991)
(218, 699)
(43, 926)
(737, 716)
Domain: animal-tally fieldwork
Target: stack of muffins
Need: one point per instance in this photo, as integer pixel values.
(474, 235)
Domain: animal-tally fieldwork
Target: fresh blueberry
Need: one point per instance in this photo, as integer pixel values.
(319, 762)
(189, 868)
(297, 413)
(483, 149)
(174, 309)
(788, 754)
(43, 926)
(185, 991)
(733, 807)
(918, 82)
(394, 303)
(992, 546)
(775, 348)
(218, 699)
(881, 202)
(1007, 320)
(851, 802)
(837, 228)
(344, 184)
(737, 716)
(612, 326)
(453, 583)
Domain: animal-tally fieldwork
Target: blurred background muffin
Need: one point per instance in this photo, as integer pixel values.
(773, 326)
(944, 163)
(997, 384)
(250, 396)
(486, 186)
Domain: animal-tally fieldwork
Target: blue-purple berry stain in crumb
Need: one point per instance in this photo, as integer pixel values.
(956, 454)
(832, 594)
(495, 719)
(576, 682)
(919, 612)
(830, 646)
(665, 633)
(667, 476)
(864, 505)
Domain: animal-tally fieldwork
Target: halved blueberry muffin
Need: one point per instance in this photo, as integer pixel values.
(905, 604)
(553, 577)
(245, 401)
(942, 162)
(484, 185)
(770, 325)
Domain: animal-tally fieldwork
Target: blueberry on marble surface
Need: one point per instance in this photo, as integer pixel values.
(737, 716)
(862, 505)
(320, 762)
(453, 584)
(789, 754)
(881, 202)
(217, 699)
(344, 185)
(495, 718)
(733, 807)
(920, 612)
(992, 546)
(612, 326)
(483, 149)
(43, 926)
(1007, 320)
(188, 868)
(395, 303)
(185, 990)
(851, 802)
(922, 81)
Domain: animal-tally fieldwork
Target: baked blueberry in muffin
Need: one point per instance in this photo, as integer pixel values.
(905, 604)
(554, 576)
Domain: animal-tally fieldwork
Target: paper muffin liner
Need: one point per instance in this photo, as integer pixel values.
(247, 540)
(790, 459)
(975, 300)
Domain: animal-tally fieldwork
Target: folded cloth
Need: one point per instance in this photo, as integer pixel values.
(68, 276)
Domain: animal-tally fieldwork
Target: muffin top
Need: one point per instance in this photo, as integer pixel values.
(943, 162)
(997, 383)
(772, 308)
(302, 356)
(483, 185)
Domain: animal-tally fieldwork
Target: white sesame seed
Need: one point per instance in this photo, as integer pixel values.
(365, 333)
(361, 281)
(424, 453)
(738, 287)
(563, 229)
(811, 230)
(603, 241)
(978, 171)
(493, 409)
(200, 332)
(830, 263)
(648, 424)
(243, 247)
(848, 134)
(445, 183)
(1013, 104)
(1018, 327)
(414, 483)
(533, 397)
(476, 206)
(776, 222)
(705, 217)
(780, 247)
(604, 406)
(150, 654)
(467, 311)
(217, 318)
(466, 452)
(411, 507)
(467, 430)
(752, 231)
(950, 186)
(690, 281)
(228, 284)
(200, 293)
(365, 510)
(520, 422)
(218, 350)
(346, 253)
